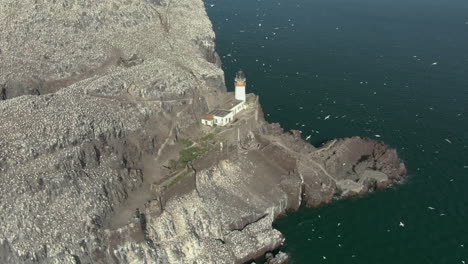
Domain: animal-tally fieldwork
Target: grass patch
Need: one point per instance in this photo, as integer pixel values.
(173, 164)
(209, 137)
(185, 142)
(190, 154)
(186, 156)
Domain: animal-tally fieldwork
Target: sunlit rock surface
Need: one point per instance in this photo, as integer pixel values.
(93, 94)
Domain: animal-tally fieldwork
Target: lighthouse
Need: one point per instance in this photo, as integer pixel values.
(240, 82)
(227, 112)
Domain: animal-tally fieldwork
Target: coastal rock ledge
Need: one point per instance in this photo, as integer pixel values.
(103, 158)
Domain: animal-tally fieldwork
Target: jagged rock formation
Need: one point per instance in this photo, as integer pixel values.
(48, 46)
(116, 79)
(91, 96)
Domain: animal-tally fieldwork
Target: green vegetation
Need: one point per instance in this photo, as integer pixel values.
(186, 156)
(173, 164)
(192, 151)
(185, 142)
(209, 137)
(190, 154)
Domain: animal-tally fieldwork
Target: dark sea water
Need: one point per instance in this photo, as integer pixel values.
(397, 69)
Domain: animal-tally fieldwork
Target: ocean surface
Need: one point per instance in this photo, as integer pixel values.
(392, 70)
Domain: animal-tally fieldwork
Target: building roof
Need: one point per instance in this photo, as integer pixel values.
(208, 117)
(231, 103)
(219, 112)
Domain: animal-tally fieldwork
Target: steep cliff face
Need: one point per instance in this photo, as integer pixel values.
(47, 46)
(105, 84)
(226, 212)
(94, 96)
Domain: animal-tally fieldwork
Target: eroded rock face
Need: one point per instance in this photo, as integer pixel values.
(227, 216)
(340, 168)
(92, 93)
(45, 46)
(224, 219)
(88, 90)
(350, 167)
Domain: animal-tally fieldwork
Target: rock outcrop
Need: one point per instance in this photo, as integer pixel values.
(93, 97)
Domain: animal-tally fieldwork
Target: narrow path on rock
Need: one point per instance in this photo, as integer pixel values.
(327, 147)
(321, 168)
(137, 198)
(315, 163)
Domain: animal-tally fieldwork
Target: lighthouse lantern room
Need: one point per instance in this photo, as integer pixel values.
(239, 83)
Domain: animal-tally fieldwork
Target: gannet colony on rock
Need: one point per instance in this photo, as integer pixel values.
(104, 158)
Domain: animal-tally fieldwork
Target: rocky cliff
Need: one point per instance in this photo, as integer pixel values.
(95, 98)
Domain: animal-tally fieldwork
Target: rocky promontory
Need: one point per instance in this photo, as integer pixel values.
(103, 158)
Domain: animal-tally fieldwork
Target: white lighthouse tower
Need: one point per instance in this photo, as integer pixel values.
(240, 82)
(227, 111)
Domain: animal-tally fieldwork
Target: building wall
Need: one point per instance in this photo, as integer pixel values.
(207, 122)
(242, 128)
(222, 121)
(240, 93)
(236, 109)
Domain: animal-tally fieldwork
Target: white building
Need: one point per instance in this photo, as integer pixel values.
(218, 117)
(225, 114)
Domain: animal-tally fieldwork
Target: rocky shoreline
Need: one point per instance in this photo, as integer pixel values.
(103, 158)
